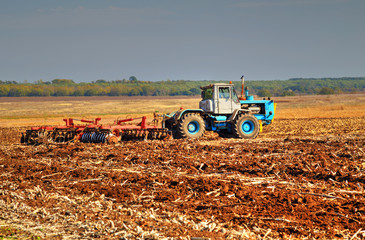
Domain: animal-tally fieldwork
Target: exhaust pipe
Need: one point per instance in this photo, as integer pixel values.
(242, 87)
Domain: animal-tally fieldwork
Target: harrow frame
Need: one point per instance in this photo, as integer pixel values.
(94, 132)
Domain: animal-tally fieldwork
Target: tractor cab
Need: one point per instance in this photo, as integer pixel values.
(219, 98)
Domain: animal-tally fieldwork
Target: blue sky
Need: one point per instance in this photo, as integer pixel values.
(87, 40)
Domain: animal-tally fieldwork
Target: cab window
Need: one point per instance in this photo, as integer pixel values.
(234, 96)
(207, 94)
(224, 92)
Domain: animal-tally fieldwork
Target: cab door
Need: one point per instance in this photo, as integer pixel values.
(224, 100)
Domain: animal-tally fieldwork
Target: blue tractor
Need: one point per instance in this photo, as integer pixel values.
(222, 111)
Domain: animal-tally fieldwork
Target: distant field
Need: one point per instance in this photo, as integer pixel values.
(26, 111)
(321, 106)
(50, 110)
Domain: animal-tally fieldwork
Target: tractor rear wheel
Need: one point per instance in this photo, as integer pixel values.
(246, 126)
(190, 125)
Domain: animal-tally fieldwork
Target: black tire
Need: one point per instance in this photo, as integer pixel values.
(246, 126)
(190, 125)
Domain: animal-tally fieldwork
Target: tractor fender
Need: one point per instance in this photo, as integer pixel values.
(180, 113)
(236, 113)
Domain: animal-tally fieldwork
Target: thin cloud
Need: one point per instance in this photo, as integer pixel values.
(60, 17)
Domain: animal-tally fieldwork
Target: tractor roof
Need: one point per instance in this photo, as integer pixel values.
(215, 84)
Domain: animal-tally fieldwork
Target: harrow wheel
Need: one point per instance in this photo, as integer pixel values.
(62, 135)
(144, 134)
(96, 136)
(111, 139)
(35, 137)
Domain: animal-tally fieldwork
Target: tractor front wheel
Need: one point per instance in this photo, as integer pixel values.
(190, 125)
(246, 126)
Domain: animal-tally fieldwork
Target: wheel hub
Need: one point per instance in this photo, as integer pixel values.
(193, 127)
(247, 127)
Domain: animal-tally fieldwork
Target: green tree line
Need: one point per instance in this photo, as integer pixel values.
(135, 87)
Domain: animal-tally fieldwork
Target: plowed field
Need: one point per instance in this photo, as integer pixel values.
(301, 178)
